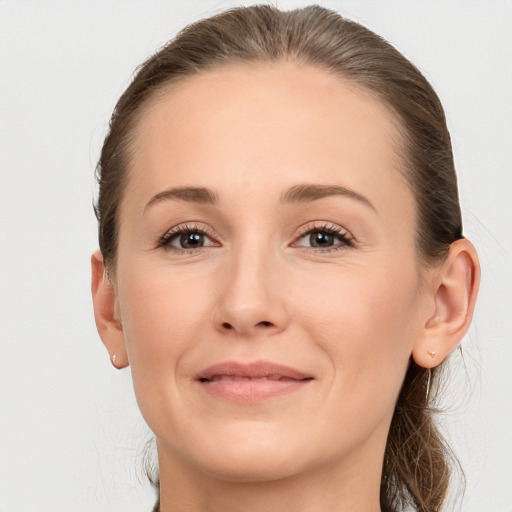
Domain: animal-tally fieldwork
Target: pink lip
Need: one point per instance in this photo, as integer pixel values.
(253, 382)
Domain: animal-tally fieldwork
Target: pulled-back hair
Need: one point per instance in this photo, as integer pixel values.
(416, 466)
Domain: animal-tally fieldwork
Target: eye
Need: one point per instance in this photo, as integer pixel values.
(190, 240)
(186, 238)
(325, 237)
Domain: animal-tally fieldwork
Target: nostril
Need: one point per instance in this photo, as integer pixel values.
(264, 324)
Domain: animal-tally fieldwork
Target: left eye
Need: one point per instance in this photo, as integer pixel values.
(189, 240)
(323, 239)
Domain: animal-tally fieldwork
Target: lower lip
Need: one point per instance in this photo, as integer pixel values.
(251, 391)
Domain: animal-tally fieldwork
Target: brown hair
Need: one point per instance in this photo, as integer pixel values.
(416, 463)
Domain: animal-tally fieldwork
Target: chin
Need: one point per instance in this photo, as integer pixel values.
(250, 469)
(248, 455)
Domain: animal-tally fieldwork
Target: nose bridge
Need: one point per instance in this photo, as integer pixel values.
(250, 300)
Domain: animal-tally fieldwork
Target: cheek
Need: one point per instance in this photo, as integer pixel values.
(163, 316)
(365, 322)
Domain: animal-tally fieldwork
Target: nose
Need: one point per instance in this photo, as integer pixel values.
(251, 299)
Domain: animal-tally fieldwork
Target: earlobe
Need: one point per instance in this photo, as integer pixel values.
(454, 290)
(106, 313)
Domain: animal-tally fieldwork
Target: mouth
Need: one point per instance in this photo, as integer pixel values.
(253, 382)
(234, 378)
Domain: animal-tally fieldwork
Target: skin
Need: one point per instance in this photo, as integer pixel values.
(351, 314)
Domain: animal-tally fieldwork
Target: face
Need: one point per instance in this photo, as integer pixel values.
(267, 280)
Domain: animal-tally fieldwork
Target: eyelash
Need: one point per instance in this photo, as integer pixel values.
(346, 239)
(167, 238)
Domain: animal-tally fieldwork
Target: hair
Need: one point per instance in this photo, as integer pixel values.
(416, 466)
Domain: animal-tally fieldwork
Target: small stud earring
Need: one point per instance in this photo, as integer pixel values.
(121, 364)
(431, 354)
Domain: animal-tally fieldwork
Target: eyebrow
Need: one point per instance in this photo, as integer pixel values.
(295, 195)
(312, 192)
(199, 195)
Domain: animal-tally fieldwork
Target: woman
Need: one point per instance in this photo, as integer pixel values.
(282, 264)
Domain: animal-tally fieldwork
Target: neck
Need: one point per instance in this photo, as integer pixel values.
(350, 486)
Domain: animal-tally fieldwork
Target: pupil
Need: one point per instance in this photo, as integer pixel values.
(189, 240)
(320, 239)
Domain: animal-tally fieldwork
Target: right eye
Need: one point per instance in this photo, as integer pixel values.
(186, 238)
(190, 240)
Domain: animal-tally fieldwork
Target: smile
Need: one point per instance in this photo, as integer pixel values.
(250, 383)
(217, 378)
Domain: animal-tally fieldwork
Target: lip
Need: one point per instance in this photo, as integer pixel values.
(251, 382)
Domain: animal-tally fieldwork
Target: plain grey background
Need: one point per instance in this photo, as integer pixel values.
(71, 437)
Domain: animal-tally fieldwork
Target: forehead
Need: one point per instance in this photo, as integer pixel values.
(266, 126)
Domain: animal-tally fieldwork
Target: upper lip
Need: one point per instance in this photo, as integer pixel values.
(252, 370)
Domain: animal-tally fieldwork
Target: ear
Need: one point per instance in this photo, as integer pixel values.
(453, 292)
(106, 313)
